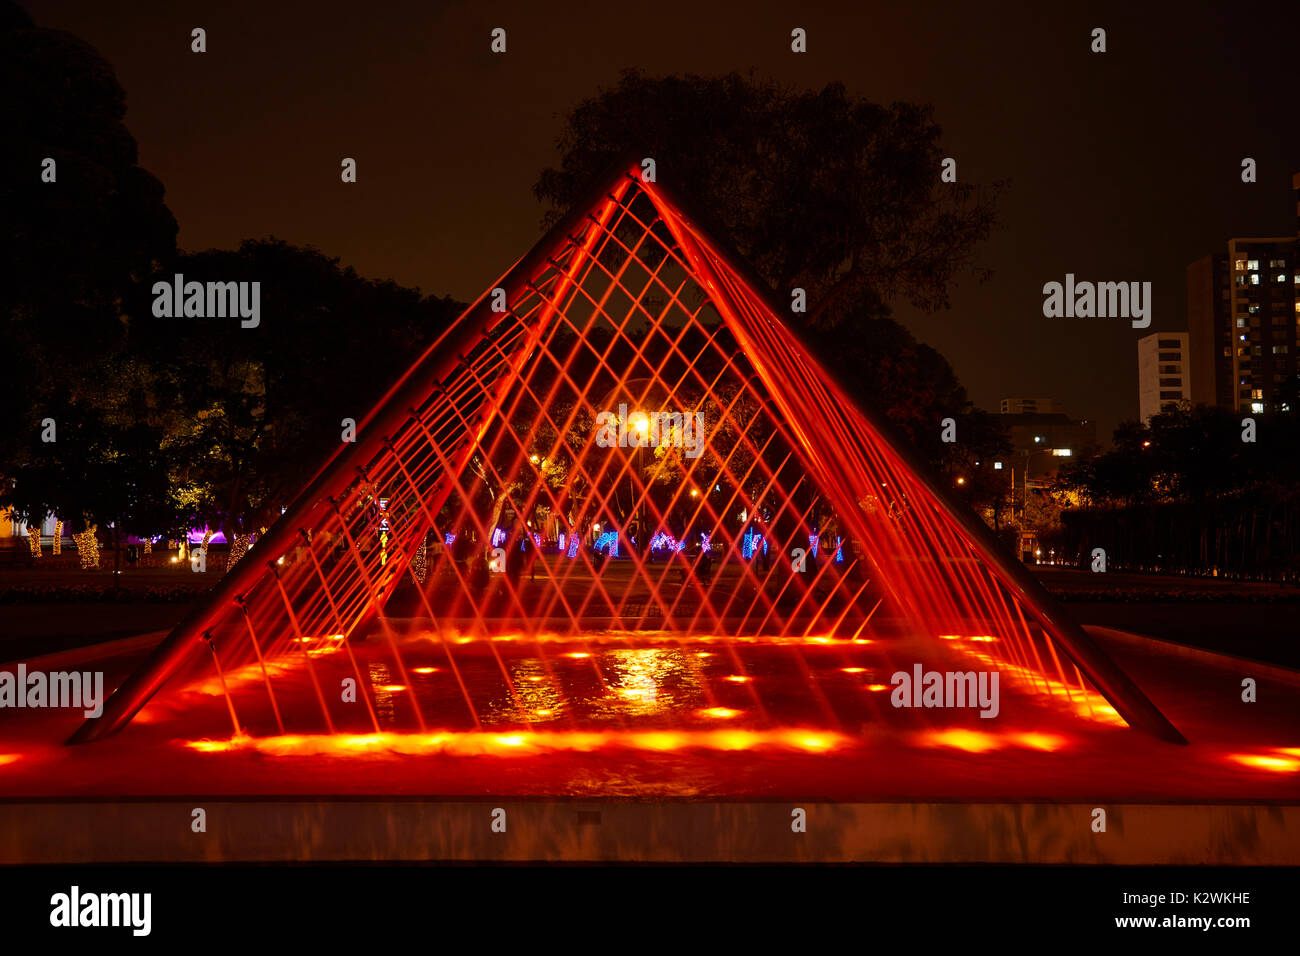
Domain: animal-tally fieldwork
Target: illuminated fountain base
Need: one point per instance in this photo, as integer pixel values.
(649, 714)
(651, 747)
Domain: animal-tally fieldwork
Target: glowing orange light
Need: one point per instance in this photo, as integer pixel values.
(391, 688)
(737, 679)
(722, 713)
(854, 670)
(543, 712)
(424, 670)
(1037, 741)
(7, 758)
(972, 741)
(577, 655)
(1262, 762)
(506, 745)
(877, 687)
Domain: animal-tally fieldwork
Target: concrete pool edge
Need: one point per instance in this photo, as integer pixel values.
(1215, 658)
(581, 831)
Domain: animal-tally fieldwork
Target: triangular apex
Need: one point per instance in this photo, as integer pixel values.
(622, 436)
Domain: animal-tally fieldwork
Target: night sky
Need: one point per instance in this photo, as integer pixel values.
(1122, 166)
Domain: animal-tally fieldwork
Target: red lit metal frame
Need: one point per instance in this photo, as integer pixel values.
(625, 306)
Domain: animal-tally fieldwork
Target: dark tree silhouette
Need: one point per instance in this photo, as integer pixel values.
(72, 249)
(819, 190)
(1186, 493)
(257, 409)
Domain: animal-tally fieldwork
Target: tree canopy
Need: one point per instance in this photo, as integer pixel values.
(820, 190)
(75, 237)
(256, 409)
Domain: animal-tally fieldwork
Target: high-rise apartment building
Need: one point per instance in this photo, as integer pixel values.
(1163, 376)
(1243, 313)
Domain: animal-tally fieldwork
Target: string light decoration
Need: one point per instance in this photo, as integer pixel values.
(58, 537)
(87, 549)
(34, 540)
(238, 548)
(420, 560)
(203, 546)
(148, 545)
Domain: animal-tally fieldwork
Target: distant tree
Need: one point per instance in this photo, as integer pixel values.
(72, 249)
(1183, 454)
(820, 190)
(108, 468)
(259, 408)
(982, 440)
(1185, 492)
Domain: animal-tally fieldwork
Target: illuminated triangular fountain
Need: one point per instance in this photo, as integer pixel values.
(621, 434)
